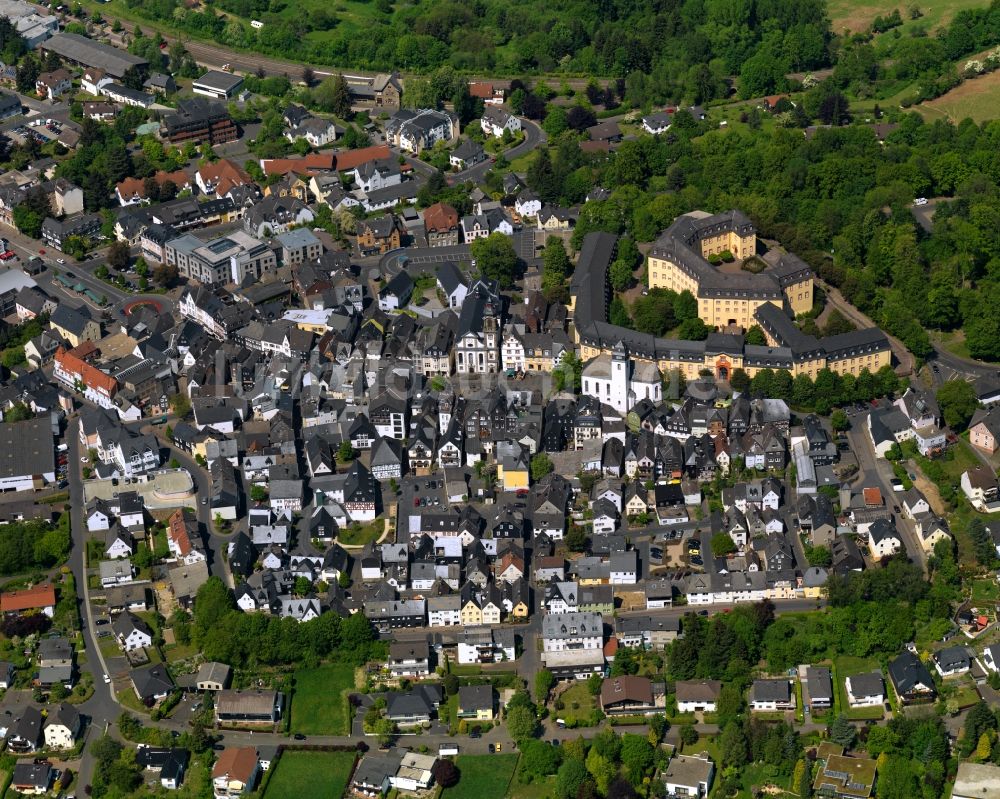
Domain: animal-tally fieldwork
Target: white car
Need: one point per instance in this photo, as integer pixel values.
(920, 201)
(84, 459)
(60, 260)
(107, 679)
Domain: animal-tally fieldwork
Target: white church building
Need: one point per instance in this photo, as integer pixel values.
(620, 382)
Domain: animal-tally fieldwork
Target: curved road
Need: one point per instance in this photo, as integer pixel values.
(534, 136)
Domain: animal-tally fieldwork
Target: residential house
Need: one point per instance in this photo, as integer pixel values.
(235, 772)
(476, 702)
(688, 776)
(62, 727)
(697, 696)
(632, 696)
(409, 659)
(911, 679)
(771, 695)
(865, 690)
(951, 660)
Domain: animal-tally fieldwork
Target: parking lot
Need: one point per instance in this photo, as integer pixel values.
(41, 130)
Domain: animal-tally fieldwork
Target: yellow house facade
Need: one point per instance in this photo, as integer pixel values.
(471, 614)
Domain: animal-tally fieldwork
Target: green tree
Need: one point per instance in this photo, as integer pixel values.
(333, 96)
(802, 779)
(688, 734)
(570, 777)
(733, 745)
(601, 769)
(180, 404)
(755, 335)
(636, 756)
(722, 545)
(576, 539)
(544, 682)
(522, 722)
(957, 400)
(840, 421)
(495, 258)
(620, 274)
(345, 452)
(842, 732)
(538, 758)
(555, 121)
(541, 465)
(555, 268)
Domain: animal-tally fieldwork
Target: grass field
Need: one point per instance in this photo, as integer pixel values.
(482, 777)
(319, 703)
(844, 667)
(977, 99)
(301, 774)
(857, 15)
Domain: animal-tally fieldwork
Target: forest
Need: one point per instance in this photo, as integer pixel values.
(692, 44)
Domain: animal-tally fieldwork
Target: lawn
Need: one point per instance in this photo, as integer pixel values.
(967, 695)
(359, 535)
(319, 701)
(301, 774)
(482, 777)
(578, 705)
(844, 667)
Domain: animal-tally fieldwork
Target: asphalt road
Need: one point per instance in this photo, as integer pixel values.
(534, 136)
(877, 472)
(102, 706)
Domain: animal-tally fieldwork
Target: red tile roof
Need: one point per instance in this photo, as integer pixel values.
(483, 91)
(237, 763)
(872, 496)
(41, 596)
(440, 217)
(224, 175)
(89, 375)
(178, 532)
(349, 159)
(307, 165)
(136, 187)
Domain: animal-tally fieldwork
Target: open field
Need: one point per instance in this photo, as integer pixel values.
(482, 777)
(301, 774)
(319, 703)
(857, 15)
(844, 667)
(977, 99)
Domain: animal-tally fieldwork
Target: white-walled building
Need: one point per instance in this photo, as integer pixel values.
(620, 382)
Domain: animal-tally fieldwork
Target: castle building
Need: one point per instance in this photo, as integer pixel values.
(720, 354)
(727, 295)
